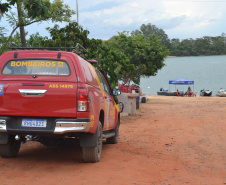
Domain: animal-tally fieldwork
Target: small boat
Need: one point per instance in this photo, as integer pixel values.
(162, 91)
(165, 92)
(221, 93)
(205, 92)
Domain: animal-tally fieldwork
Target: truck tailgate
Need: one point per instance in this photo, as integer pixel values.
(39, 99)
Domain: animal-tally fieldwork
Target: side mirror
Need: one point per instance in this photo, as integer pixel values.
(116, 92)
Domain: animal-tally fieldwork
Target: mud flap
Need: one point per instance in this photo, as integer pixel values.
(88, 140)
(4, 138)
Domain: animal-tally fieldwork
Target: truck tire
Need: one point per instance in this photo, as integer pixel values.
(93, 154)
(10, 149)
(114, 139)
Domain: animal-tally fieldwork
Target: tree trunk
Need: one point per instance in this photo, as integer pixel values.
(21, 24)
(22, 35)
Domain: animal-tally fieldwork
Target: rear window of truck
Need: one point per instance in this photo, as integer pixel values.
(36, 67)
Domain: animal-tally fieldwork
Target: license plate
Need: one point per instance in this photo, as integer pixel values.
(34, 123)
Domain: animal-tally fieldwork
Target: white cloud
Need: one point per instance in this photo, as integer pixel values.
(183, 19)
(179, 19)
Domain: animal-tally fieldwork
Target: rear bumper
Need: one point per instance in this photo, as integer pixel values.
(55, 126)
(64, 126)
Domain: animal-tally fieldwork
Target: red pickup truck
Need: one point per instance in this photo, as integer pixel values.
(51, 96)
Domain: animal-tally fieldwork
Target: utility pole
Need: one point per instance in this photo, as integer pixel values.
(77, 11)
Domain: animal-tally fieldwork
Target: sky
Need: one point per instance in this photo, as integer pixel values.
(181, 19)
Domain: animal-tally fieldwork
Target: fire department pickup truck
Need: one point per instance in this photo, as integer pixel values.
(50, 95)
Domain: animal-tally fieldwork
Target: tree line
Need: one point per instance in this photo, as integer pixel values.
(200, 46)
(206, 45)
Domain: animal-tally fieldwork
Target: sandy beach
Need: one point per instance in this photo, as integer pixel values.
(171, 140)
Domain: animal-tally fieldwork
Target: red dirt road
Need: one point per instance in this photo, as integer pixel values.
(171, 140)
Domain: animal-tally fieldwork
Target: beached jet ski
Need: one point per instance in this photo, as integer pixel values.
(205, 92)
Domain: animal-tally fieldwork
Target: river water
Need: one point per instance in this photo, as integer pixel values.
(208, 72)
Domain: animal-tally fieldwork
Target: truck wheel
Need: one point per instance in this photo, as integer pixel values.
(10, 149)
(114, 139)
(93, 154)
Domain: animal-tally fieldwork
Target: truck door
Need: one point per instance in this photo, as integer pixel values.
(109, 112)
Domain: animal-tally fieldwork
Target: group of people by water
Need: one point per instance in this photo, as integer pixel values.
(187, 93)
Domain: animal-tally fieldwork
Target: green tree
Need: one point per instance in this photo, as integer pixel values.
(150, 29)
(68, 36)
(174, 47)
(4, 7)
(186, 47)
(16, 41)
(2, 29)
(217, 46)
(3, 39)
(113, 62)
(202, 45)
(36, 40)
(33, 11)
(145, 54)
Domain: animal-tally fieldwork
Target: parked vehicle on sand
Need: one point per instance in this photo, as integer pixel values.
(221, 92)
(205, 92)
(49, 95)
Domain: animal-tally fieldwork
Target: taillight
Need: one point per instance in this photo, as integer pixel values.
(83, 100)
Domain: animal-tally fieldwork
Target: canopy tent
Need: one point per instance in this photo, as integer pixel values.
(181, 82)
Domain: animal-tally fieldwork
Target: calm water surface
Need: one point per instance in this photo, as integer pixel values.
(208, 72)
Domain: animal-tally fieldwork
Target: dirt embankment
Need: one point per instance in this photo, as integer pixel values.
(171, 140)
